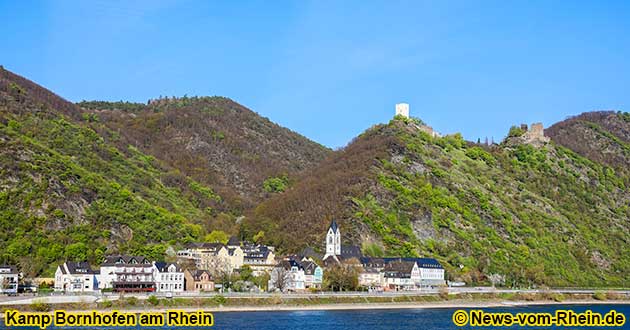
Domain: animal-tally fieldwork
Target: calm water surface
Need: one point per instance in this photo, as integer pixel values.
(402, 319)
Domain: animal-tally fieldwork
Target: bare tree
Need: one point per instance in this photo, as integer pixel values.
(280, 278)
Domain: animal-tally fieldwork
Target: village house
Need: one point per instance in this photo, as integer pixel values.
(198, 280)
(75, 277)
(212, 255)
(289, 276)
(401, 275)
(370, 278)
(431, 272)
(9, 278)
(259, 258)
(169, 277)
(313, 274)
(124, 273)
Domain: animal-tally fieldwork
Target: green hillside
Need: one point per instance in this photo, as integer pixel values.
(531, 215)
(68, 194)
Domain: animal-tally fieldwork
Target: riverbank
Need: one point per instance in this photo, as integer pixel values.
(287, 303)
(360, 306)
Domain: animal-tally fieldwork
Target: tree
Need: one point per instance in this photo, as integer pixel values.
(259, 236)
(217, 236)
(280, 278)
(246, 273)
(77, 251)
(342, 278)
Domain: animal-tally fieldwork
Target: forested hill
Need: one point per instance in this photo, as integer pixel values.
(81, 181)
(528, 214)
(241, 155)
(602, 136)
(68, 194)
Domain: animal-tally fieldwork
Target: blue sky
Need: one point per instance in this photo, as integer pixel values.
(331, 69)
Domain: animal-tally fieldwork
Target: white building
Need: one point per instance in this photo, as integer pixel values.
(288, 275)
(168, 277)
(402, 109)
(333, 241)
(8, 279)
(431, 272)
(75, 277)
(371, 278)
(127, 274)
(401, 275)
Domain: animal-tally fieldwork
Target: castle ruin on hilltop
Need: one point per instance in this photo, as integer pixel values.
(534, 135)
(402, 109)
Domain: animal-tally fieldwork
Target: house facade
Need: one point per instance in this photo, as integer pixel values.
(212, 255)
(401, 275)
(370, 277)
(287, 276)
(198, 280)
(9, 279)
(313, 275)
(169, 277)
(75, 277)
(124, 273)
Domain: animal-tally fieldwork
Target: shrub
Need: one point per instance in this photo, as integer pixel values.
(599, 295)
(559, 297)
(153, 300)
(276, 184)
(219, 299)
(131, 301)
(40, 306)
(106, 304)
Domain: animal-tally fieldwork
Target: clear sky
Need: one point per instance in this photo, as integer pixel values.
(331, 69)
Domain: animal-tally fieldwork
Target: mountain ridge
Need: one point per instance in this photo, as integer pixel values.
(139, 178)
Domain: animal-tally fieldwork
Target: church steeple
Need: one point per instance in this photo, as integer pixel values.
(333, 240)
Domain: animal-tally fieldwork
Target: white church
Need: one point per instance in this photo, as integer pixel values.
(334, 248)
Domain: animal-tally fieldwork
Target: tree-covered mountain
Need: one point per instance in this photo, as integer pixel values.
(78, 183)
(214, 140)
(602, 136)
(530, 214)
(81, 181)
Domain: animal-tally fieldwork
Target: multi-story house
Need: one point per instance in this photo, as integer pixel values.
(371, 278)
(212, 255)
(169, 277)
(431, 272)
(127, 274)
(288, 275)
(259, 258)
(401, 275)
(75, 277)
(313, 274)
(8, 279)
(198, 280)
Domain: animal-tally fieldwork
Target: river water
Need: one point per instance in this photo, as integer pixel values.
(400, 319)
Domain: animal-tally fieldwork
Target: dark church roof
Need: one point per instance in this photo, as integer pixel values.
(333, 226)
(234, 241)
(350, 251)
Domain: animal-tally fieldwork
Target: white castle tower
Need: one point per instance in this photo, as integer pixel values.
(402, 109)
(333, 240)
